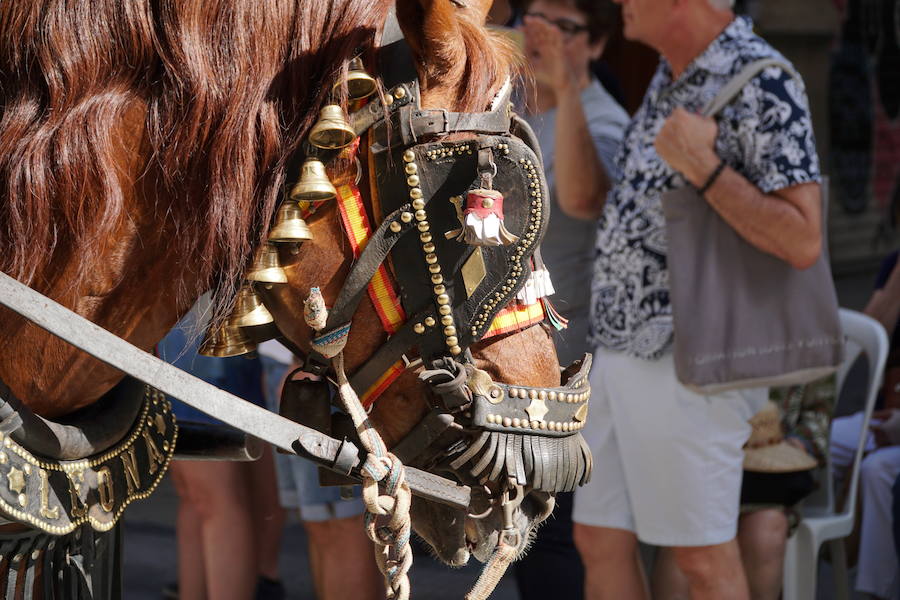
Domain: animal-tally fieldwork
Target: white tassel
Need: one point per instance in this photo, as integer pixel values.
(536, 287)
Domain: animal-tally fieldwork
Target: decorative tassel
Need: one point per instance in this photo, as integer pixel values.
(558, 321)
(314, 310)
(537, 286)
(482, 219)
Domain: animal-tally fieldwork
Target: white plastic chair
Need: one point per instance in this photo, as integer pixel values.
(821, 522)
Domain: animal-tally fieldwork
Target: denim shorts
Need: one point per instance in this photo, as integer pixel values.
(298, 478)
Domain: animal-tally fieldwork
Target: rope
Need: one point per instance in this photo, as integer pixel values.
(496, 566)
(385, 493)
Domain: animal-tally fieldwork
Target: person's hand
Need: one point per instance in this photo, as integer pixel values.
(887, 431)
(545, 49)
(687, 143)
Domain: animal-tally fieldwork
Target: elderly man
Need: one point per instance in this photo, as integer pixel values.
(667, 462)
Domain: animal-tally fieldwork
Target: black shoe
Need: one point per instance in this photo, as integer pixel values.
(269, 589)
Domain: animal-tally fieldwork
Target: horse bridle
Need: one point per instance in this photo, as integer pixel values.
(453, 288)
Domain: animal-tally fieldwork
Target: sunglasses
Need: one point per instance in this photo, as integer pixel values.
(568, 27)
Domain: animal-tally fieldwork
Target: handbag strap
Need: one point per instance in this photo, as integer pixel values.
(733, 87)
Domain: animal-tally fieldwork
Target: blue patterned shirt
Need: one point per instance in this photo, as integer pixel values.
(765, 134)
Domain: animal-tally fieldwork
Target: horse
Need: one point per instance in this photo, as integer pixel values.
(144, 147)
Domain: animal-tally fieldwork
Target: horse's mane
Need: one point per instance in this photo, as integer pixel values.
(226, 89)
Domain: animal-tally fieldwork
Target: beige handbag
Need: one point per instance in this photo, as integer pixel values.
(743, 318)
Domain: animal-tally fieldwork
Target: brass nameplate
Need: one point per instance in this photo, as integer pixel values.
(59, 496)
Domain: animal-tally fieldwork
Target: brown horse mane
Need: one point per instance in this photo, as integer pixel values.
(227, 89)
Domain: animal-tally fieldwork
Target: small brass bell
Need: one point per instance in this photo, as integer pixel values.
(227, 340)
(332, 130)
(359, 83)
(249, 311)
(265, 267)
(289, 225)
(314, 185)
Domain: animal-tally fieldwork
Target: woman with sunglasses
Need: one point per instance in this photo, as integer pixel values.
(579, 126)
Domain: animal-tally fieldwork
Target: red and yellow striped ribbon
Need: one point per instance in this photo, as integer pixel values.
(380, 289)
(515, 317)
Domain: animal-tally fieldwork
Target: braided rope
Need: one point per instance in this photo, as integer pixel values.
(385, 493)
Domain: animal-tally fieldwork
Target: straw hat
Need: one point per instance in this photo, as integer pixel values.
(767, 452)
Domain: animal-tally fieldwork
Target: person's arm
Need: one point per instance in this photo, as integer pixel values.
(581, 178)
(884, 305)
(785, 223)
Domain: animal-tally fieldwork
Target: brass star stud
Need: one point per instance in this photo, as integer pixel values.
(16, 479)
(537, 409)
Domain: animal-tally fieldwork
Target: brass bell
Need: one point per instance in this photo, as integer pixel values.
(227, 340)
(359, 83)
(289, 225)
(332, 130)
(265, 267)
(249, 310)
(314, 185)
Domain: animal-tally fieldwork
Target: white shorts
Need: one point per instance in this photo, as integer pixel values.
(667, 461)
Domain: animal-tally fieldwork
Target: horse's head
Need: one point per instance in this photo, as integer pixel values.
(484, 404)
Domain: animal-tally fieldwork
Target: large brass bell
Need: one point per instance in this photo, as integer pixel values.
(289, 225)
(227, 340)
(249, 310)
(265, 267)
(359, 83)
(314, 185)
(332, 130)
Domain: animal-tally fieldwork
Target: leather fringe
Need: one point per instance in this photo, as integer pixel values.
(82, 565)
(551, 464)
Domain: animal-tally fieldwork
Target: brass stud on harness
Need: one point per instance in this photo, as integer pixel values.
(265, 267)
(314, 185)
(359, 83)
(396, 227)
(406, 217)
(289, 225)
(419, 328)
(249, 310)
(331, 131)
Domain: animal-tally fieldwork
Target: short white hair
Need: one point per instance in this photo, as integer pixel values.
(722, 4)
